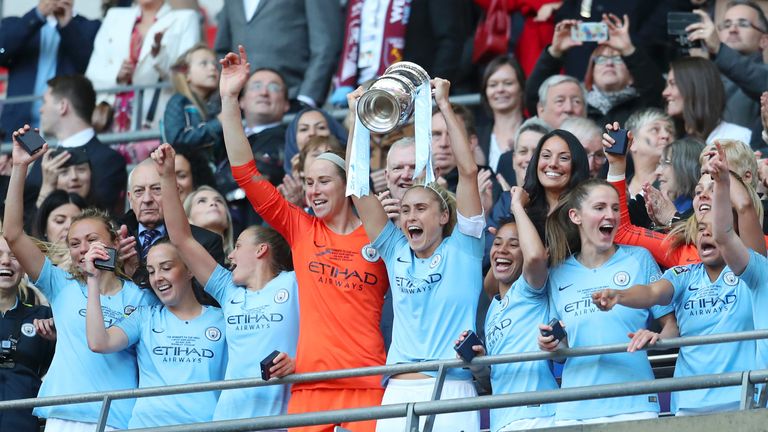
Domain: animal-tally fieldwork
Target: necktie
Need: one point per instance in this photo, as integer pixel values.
(147, 238)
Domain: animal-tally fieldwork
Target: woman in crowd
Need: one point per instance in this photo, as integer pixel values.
(513, 164)
(192, 171)
(501, 95)
(341, 279)
(434, 259)
(308, 123)
(190, 119)
(653, 131)
(584, 259)
(177, 342)
(75, 369)
(709, 298)
(620, 78)
(259, 299)
(52, 221)
(292, 187)
(206, 208)
(67, 170)
(695, 98)
(678, 172)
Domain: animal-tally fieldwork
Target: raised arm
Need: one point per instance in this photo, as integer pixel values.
(235, 71)
(636, 296)
(368, 207)
(100, 339)
(467, 193)
(735, 254)
(535, 269)
(195, 256)
(29, 256)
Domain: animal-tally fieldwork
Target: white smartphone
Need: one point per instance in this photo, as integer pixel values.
(590, 32)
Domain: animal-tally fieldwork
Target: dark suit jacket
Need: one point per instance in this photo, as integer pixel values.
(211, 241)
(109, 177)
(20, 50)
(435, 36)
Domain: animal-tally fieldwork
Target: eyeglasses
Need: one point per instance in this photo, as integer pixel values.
(271, 87)
(741, 23)
(601, 60)
(599, 156)
(664, 163)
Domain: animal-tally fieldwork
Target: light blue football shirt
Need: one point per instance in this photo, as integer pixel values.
(174, 351)
(434, 299)
(571, 286)
(755, 276)
(511, 326)
(703, 307)
(257, 323)
(77, 369)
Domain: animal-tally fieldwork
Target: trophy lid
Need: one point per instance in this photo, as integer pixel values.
(415, 73)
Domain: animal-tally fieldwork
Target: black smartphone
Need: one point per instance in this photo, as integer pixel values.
(464, 348)
(267, 363)
(557, 330)
(107, 264)
(31, 141)
(678, 21)
(620, 138)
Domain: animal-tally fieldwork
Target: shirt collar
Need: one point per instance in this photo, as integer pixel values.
(159, 228)
(79, 139)
(253, 130)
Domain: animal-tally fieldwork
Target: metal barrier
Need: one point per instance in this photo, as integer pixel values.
(412, 411)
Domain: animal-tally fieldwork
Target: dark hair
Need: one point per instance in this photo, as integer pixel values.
(201, 296)
(491, 68)
(199, 167)
(278, 247)
(274, 71)
(684, 156)
(54, 200)
(563, 237)
(467, 117)
(538, 208)
(760, 14)
(701, 87)
(78, 90)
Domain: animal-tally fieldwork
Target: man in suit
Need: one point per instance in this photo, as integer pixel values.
(68, 104)
(145, 222)
(299, 38)
(47, 41)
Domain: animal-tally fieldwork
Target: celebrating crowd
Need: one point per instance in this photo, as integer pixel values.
(626, 205)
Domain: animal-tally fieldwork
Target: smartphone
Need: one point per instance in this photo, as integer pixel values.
(678, 21)
(464, 348)
(268, 363)
(557, 330)
(590, 32)
(107, 264)
(31, 141)
(620, 138)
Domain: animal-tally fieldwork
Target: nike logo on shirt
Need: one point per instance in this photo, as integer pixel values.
(563, 287)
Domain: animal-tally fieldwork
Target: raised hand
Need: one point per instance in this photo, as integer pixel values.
(606, 299)
(50, 166)
(485, 187)
(96, 251)
(546, 11)
(718, 166)
(442, 88)
(352, 98)
(126, 251)
(617, 163)
(519, 197)
(19, 155)
(618, 34)
(291, 189)
(704, 31)
(164, 157)
(235, 71)
(659, 207)
(391, 205)
(561, 39)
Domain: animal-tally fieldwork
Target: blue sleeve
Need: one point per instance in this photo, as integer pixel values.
(52, 280)
(526, 290)
(219, 283)
(132, 324)
(755, 274)
(653, 274)
(678, 277)
(471, 247)
(389, 241)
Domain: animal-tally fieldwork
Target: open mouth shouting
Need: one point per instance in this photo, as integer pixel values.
(415, 233)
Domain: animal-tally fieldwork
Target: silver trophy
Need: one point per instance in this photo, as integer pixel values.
(389, 102)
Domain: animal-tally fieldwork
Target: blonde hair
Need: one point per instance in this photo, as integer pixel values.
(741, 158)
(179, 71)
(228, 235)
(98, 215)
(445, 198)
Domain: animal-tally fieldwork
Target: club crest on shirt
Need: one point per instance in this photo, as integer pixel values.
(370, 253)
(282, 296)
(129, 310)
(213, 334)
(621, 278)
(435, 261)
(28, 330)
(730, 279)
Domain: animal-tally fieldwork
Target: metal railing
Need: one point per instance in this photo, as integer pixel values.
(412, 411)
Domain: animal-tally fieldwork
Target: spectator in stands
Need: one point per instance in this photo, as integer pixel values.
(145, 222)
(206, 208)
(560, 97)
(259, 299)
(65, 115)
(695, 98)
(513, 164)
(652, 131)
(620, 78)
(26, 360)
(304, 53)
(48, 41)
(75, 369)
(434, 224)
(518, 259)
(70, 171)
(580, 234)
(177, 342)
(443, 159)
(401, 163)
(590, 136)
(137, 46)
(292, 187)
(349, 293)
(729, 270)
(52, 221)
(190, 118)
(192, 171)
(308, 123)
(737, 46)
(501, 95)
